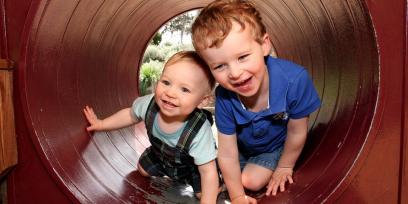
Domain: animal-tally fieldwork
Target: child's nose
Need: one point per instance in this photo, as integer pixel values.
(235, 72)
(170, 92)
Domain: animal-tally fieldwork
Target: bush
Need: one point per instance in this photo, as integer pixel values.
(153, 53)
(168, 44)
(157, 38)
(149, 74)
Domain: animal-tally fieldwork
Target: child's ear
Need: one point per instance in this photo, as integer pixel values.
(266, 44)
(205, 101)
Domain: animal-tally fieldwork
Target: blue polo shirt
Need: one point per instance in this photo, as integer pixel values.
(291, 95)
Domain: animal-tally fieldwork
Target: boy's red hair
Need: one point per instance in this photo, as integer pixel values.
(214, 22)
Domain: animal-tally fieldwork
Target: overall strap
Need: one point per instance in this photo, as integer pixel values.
(195, 120)
(151, 111)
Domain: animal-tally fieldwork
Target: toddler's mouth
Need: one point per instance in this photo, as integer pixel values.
(167, 103)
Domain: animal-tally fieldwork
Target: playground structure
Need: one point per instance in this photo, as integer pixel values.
(68, 54)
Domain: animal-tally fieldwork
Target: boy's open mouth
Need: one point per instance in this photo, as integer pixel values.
(242, 83)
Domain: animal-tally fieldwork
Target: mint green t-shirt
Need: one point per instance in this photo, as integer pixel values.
(202, 148)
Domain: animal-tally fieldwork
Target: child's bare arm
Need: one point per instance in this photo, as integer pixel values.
(118, 120)
(230, 168)
(295, 140)
(209, 182)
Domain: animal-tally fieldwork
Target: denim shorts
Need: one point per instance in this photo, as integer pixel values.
(268, 160)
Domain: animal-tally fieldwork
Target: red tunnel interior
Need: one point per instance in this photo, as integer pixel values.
(88, 52)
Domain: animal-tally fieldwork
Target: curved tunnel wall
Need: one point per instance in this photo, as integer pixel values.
(83, 52)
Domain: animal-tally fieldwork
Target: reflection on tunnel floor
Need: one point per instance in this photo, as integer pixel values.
(175, 192)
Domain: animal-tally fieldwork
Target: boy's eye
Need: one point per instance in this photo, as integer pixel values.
(243, 57)
(219, 66)
(185, 90)
(165, 82)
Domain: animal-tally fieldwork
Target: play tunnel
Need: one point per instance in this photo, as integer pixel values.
(77, 53)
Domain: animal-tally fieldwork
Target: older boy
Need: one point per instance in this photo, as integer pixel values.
(262, 105)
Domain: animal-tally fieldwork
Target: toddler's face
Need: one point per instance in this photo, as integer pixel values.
(181, 88)
(238, 64)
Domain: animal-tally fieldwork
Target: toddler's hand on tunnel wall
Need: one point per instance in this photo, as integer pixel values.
(95, 123)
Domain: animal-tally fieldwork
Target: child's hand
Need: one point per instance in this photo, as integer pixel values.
(95, 123)
(244, 199)
(279, 178)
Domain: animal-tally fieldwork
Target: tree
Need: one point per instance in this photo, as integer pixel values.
(181, 23)
(156, 39)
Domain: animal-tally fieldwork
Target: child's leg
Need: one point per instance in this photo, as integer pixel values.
(257, 171)
(142, 171)
(255, 177)
(149, 165)
(198, 195)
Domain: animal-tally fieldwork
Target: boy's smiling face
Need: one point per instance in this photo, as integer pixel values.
(238, 64)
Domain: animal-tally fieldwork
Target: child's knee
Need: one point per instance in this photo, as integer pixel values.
(142, 171)
(252, 184)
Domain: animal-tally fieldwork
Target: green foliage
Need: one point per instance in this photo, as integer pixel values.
(153, 53)
(167, 44)
(157, 38)
(149, 75)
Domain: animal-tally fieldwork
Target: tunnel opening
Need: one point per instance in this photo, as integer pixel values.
(84, 52)
(173, 36)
